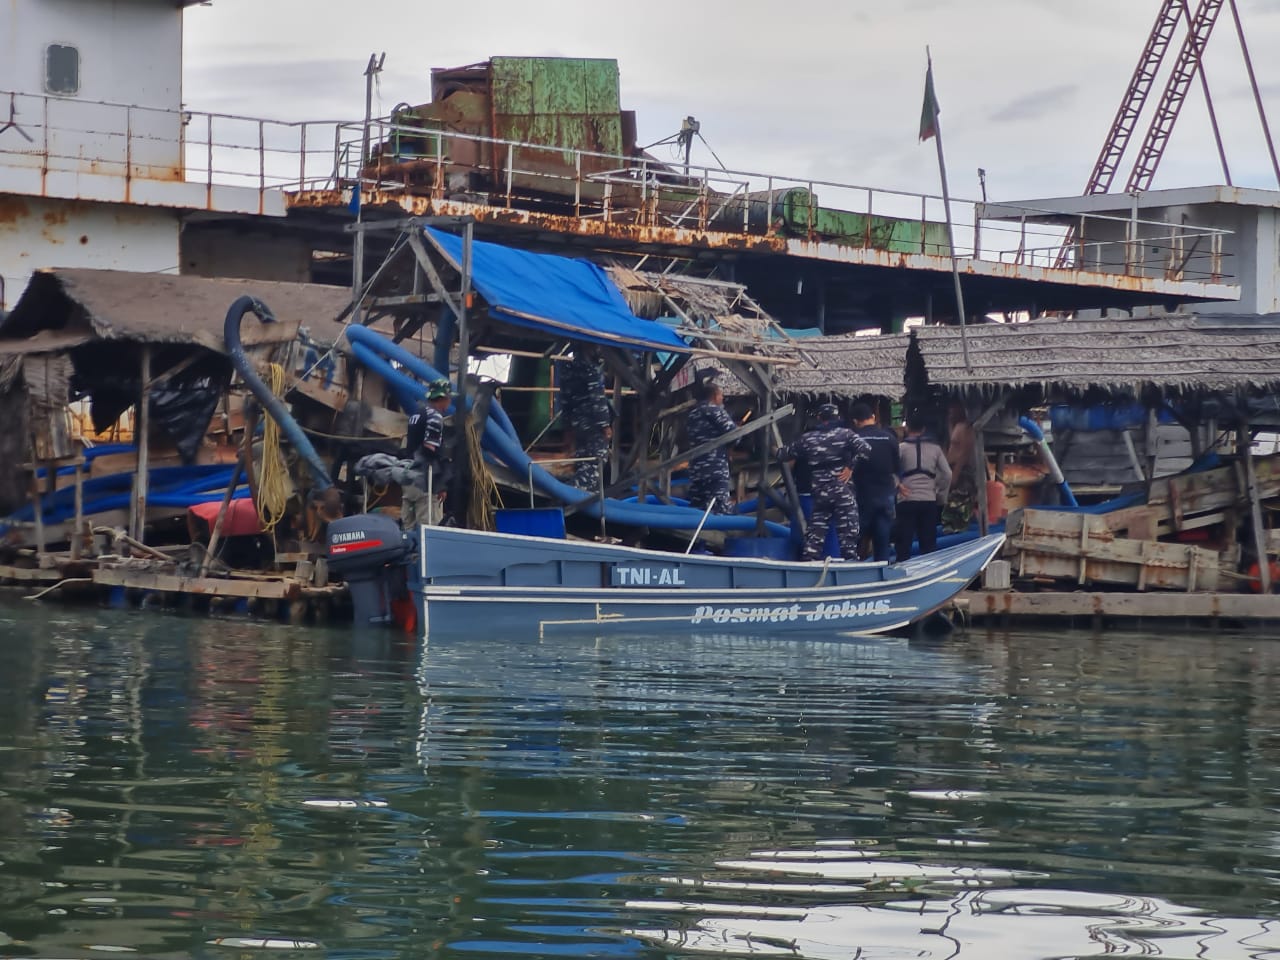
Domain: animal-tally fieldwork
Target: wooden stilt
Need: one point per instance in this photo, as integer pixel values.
(142, 424)
(77, 530)
(980, 478)
(36, 502)
(1245, 446)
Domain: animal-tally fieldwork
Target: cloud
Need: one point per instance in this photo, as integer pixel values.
(1035, 105)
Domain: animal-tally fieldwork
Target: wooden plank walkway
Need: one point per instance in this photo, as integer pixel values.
(1010, 606)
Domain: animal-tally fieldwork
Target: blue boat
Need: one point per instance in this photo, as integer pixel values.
(468, 579)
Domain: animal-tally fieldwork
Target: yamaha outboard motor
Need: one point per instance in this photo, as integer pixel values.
(372, 554)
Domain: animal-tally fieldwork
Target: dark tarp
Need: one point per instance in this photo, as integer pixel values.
(560, 296)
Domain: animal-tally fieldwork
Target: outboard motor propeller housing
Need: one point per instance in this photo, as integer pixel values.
(372, 554)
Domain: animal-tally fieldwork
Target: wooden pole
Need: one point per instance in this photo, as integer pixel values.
(1245, 446)
(36, 500)
(980, 478)
(244, 463)
(766, 457)
(142, 424)
(77, 531)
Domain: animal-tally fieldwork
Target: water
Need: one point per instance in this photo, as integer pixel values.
(220, 789)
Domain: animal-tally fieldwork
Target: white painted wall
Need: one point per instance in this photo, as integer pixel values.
(130, 53)
(38, 232)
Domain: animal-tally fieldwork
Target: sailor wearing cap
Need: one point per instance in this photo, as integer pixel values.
(709, 472)
(587, 413)
(424, 443)
(830, 450)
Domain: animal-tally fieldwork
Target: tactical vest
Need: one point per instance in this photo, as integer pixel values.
(918, 468)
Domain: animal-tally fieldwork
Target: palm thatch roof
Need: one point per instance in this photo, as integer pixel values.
(64, 308)
(1181, 354)
(848, 367)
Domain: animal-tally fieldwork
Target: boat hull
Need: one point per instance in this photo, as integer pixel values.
(472, 580)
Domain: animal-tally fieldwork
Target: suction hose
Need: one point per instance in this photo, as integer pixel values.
(270, 402)
(1032, 429)
(376, 353)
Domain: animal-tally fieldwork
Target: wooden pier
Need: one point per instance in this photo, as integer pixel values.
(297, 597)
(1098, 609)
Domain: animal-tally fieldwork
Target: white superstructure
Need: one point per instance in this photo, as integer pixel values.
(96, 164)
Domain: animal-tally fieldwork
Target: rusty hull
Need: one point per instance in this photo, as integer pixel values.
(692, 241)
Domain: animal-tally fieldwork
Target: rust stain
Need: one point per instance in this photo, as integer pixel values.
(55, 216)
(13, 210)
(640, 234)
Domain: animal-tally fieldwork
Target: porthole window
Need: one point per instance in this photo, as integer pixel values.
(61, 69)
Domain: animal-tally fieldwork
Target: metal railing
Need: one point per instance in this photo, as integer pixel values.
(67, 135)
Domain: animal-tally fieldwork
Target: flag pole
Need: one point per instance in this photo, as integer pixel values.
(931, 127)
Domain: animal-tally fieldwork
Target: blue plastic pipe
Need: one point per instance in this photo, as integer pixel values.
(270, 402)
(377, 353)
(1032, 429)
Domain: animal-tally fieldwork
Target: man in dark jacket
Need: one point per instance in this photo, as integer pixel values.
(831, 451)
(876, 481)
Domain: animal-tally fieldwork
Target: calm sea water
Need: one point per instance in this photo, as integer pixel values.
(213, 788)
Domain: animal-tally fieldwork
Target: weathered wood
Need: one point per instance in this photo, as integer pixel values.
(732, 436)
(1081, 547)
(142, 428)
(1255, 509)
(29, 574)
(202, 586)
(77, 530)
(1003, 604)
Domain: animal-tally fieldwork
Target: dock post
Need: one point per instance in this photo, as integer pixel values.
(77, 531)
(1244, 442)
(141, 428)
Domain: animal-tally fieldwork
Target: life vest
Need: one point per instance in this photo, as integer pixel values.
(918, 468)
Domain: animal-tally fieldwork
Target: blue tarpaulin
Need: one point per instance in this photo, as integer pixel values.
(558, 295)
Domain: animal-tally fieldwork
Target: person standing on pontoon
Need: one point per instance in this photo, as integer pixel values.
(588, 415)
(832, 451)
(709, 484)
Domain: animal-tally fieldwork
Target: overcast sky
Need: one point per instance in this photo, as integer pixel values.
(829, 89)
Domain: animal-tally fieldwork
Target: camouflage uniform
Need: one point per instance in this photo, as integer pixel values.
(425, 444)
(827, 450)
(587, 411)
(709, 473)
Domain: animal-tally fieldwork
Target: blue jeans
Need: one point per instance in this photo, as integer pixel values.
(877, 525)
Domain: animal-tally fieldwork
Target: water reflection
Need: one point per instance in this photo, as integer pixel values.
(195, 788)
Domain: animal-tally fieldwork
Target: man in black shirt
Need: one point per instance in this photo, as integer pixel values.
(876, 480)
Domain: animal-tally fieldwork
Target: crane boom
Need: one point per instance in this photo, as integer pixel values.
(1135, 97)
(1175, 94)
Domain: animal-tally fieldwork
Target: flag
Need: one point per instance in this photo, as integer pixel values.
(930, 110)
(354, 203)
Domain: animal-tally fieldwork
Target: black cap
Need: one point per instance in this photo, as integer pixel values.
(828, 412)
(861, 411)
(706, 374)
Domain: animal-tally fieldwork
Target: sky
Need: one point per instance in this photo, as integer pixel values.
(827, 89)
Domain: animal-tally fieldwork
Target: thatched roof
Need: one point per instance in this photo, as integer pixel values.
(62, 309)
(849, 367)
(1173, 355)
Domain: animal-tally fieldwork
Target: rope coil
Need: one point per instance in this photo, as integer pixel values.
(274, 483)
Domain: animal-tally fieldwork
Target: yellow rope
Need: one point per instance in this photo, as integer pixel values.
(274, 485)
(484, 491)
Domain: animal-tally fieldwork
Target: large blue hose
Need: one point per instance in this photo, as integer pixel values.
(177, 487)
(1032, 429)
(377, 353)
(270, 402)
